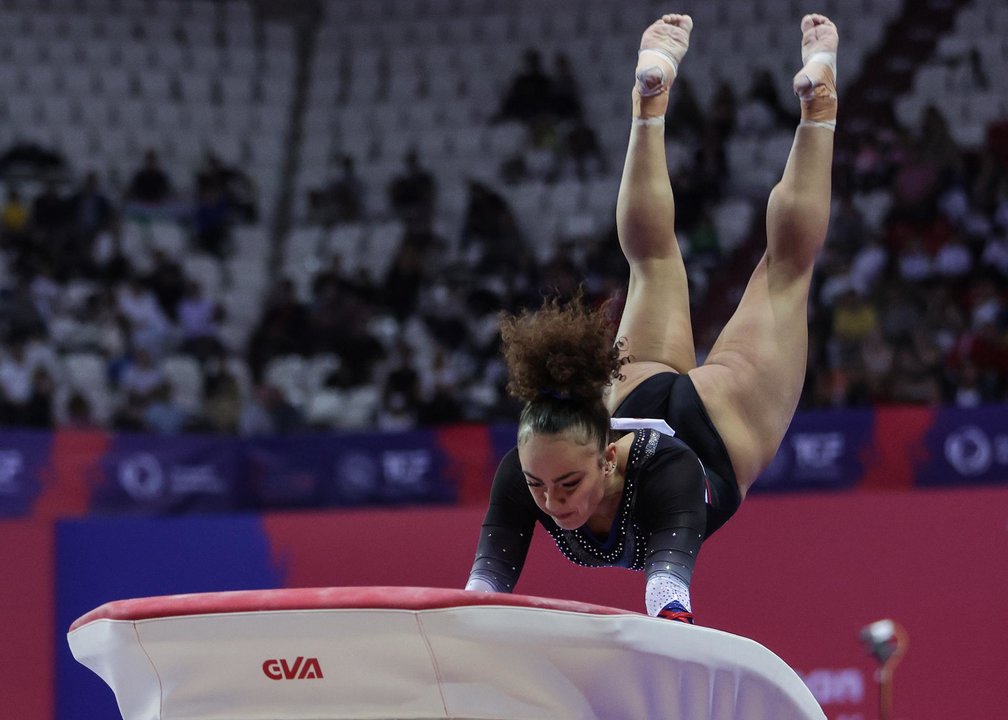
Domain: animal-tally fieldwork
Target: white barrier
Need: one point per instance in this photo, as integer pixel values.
(411, 653)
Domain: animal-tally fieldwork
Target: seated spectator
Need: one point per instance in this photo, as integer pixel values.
(50, 212)
(142, 377)
(150, 328)
(164, 416)
(282, 329)
(17, 371)
(37, 411)
(268, 412)
(129, 415)
(78, 413)
(198, 318)
(222, 408)
(413, 192)
(582, 149)
(150, 185)
(530, 95)
(686, 120)
(762, 111)
(167, 281)
(14, 217)
(213, 217)
(342, 199)
(235, 185)
(566, 96)
(90, 208)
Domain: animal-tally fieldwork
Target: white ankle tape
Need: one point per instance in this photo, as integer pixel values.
(666, 81)
(647, 122)
(668, 58)
(829, 125)
(829, 59)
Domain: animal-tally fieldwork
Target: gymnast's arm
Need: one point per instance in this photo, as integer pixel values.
(507, 530)
(674, 509)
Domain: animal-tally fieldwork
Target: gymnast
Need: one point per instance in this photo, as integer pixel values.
(628, 453)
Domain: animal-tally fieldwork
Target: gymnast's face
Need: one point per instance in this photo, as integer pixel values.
(566, 478)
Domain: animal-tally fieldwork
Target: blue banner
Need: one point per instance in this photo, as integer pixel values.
(966, 446)
(152, 474)
(821, 450)
(24, 459)
(130, 473)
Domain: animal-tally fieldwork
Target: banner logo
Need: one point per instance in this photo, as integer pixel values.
(300, 669)
(141, 476)
(969, 451)
(818, 455)
(11, 465)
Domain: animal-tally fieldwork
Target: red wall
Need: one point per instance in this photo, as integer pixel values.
(26, 620)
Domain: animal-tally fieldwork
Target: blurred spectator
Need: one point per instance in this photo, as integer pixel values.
(198, 318)
(283, 328)
(142, 376)
(686, 119)
(234, 185)
(163, 415)
(269, 412)
(167, 282)
(340, 200)
(400, 399)
(213, 217)
(150, 184)
(223, 405)
(90, 208)
(16, 372)
(566, 94)
(14, 217)
(37, 411)
(78, 413)
(490, 233)
(413, 192)
(50, 210)
(530, 95)
(581, 148)
(150, 328)
(762, 111)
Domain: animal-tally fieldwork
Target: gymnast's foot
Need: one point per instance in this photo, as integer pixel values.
(662, 48)
(815, 83)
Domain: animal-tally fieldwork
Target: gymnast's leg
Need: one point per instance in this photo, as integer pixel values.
(753, 376)
(656, 320)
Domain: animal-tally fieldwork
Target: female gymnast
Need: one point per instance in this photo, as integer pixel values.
(613, 489)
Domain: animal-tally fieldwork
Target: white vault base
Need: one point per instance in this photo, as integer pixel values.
(412, 653)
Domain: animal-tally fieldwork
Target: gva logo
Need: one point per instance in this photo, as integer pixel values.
(300, 669)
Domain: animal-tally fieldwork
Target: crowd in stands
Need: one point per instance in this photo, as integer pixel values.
(909, 303)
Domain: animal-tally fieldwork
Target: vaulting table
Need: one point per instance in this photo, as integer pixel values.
(411, 653)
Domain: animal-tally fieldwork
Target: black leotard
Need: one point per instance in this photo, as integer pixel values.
(677, 491)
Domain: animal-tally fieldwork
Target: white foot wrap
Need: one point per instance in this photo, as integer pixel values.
(649, 121)
(828, 124)
(647, 89)
(806, 91)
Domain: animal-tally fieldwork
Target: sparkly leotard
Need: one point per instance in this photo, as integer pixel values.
(659, 525)
(671, 502)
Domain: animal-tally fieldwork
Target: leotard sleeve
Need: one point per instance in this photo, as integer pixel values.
(507, 530)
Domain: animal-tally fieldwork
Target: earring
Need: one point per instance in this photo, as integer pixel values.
(610, 467)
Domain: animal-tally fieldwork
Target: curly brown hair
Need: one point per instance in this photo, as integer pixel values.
(560, 360)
